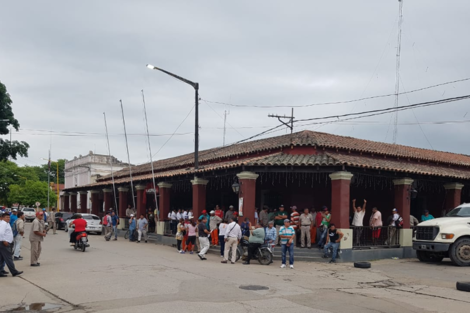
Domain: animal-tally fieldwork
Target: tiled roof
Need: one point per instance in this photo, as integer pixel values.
(304, 138)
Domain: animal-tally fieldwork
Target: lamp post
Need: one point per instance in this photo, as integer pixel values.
(196, 131)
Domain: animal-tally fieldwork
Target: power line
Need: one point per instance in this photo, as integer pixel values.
(337, 102)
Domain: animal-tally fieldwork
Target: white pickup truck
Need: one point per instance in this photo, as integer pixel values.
(445, 237)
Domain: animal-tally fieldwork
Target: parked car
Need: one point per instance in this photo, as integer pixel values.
(61, 217)
(29, 214)
(93, 223)
(445, 237)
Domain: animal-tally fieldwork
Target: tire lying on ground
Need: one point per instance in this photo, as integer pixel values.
(362, 264)
(463, 286)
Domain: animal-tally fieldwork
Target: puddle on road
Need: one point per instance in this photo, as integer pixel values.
(253, 287)
(36, 307)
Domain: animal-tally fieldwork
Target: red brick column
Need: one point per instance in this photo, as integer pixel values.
(402, 199)
(108, 199)
(247, 181)
(199, 195)
(122, 201)
(73, 202)
(164, 190)
(453, 195)
(83, 202)
(95, 202)
(140, 197)
(66, 202)
(340, 199)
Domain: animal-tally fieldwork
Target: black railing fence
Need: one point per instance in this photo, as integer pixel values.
(368, 237)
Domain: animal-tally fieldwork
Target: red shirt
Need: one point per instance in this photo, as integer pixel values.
(80, 225)
(219, 213)
(318, 219)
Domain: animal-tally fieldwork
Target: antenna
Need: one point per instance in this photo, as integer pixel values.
(110, 163)
(397, 77)
(150, 152)
(128, 157)
(290, 123)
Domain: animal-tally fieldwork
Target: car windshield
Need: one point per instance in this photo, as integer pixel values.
(28, 210)
(459, 212)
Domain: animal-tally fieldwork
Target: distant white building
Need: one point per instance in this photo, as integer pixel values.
(84, 170)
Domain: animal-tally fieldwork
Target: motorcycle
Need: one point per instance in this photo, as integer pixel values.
(263, 254)
(81, 241)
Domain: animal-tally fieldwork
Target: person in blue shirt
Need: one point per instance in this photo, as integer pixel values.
(207, 216)
(426, 216)
(132, 227)
(115, 222)
(13, 217)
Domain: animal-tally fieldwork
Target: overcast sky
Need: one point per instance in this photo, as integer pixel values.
(65, 63)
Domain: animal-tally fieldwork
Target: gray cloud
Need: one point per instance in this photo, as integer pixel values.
(67, 63)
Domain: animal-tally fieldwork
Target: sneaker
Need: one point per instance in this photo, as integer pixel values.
(182, 252)
(17, 258)
(246, 263)
(232, 262)
(191, 252)
(221, 256)
(200, 256)
(223, 261)
(332, 261)
(291, 267)
(283, 266)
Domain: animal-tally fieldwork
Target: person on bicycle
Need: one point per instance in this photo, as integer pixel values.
(80, 226)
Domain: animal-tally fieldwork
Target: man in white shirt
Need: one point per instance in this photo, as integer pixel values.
(190, 214)
(178, 215)
(174, 222)
(6, 240)
(392, 228)
(185, 214)
(358, 221)
(232, 236)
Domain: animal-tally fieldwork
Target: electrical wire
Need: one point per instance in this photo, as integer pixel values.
(337, 102)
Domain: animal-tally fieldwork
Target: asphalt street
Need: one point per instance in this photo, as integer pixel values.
(120, 276)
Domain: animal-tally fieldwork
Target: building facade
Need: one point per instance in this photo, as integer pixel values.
(306, 169)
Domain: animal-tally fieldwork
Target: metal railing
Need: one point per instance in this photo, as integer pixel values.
(169, 229)
(379, 237)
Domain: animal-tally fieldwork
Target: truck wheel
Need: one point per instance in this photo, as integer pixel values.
(425, 256)
(460, 252)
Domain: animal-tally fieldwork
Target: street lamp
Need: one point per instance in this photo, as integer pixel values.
(196, 88)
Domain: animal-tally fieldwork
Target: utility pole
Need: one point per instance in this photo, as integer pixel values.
(290, 123)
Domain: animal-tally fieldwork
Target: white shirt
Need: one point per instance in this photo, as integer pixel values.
(233, 231)
(185, 214)
(169, 215)
(222, 229)
(173, 216)
(358, 218)
(6, 234)
(178, 216)
(394, 219)
(190, 215)
(256, 216)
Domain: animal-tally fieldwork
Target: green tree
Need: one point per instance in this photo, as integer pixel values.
(15, 148)
(12, 174)
(30, 193)
(41, 171)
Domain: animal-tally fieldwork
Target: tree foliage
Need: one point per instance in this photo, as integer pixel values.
(15, 148)
(30, 193)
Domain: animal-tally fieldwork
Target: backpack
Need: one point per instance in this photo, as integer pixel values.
(399, 222)
(105, 220)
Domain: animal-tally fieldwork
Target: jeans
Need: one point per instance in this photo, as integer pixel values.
(222, 245)
(115, 230)
(18, 239)
(322, 241)
(335, 246)
(178, 244)
(284, 249)
(131, 234)
(204, 241)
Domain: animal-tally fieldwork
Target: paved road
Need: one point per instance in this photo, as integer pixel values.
(119, 276)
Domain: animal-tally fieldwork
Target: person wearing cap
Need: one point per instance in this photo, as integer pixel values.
(129, 211)
(426, 216)
(229, 213)
(325, 223)
(213, 222)
(36, 237)
(207, 217)
(6, 241)
(132, 227)
(13, 217)
(392, 228)
(19, 229)
(287, 235)
(271, 235)
(279, 218)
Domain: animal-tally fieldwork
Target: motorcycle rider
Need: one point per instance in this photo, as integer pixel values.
(256, 240)
(80, 226)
